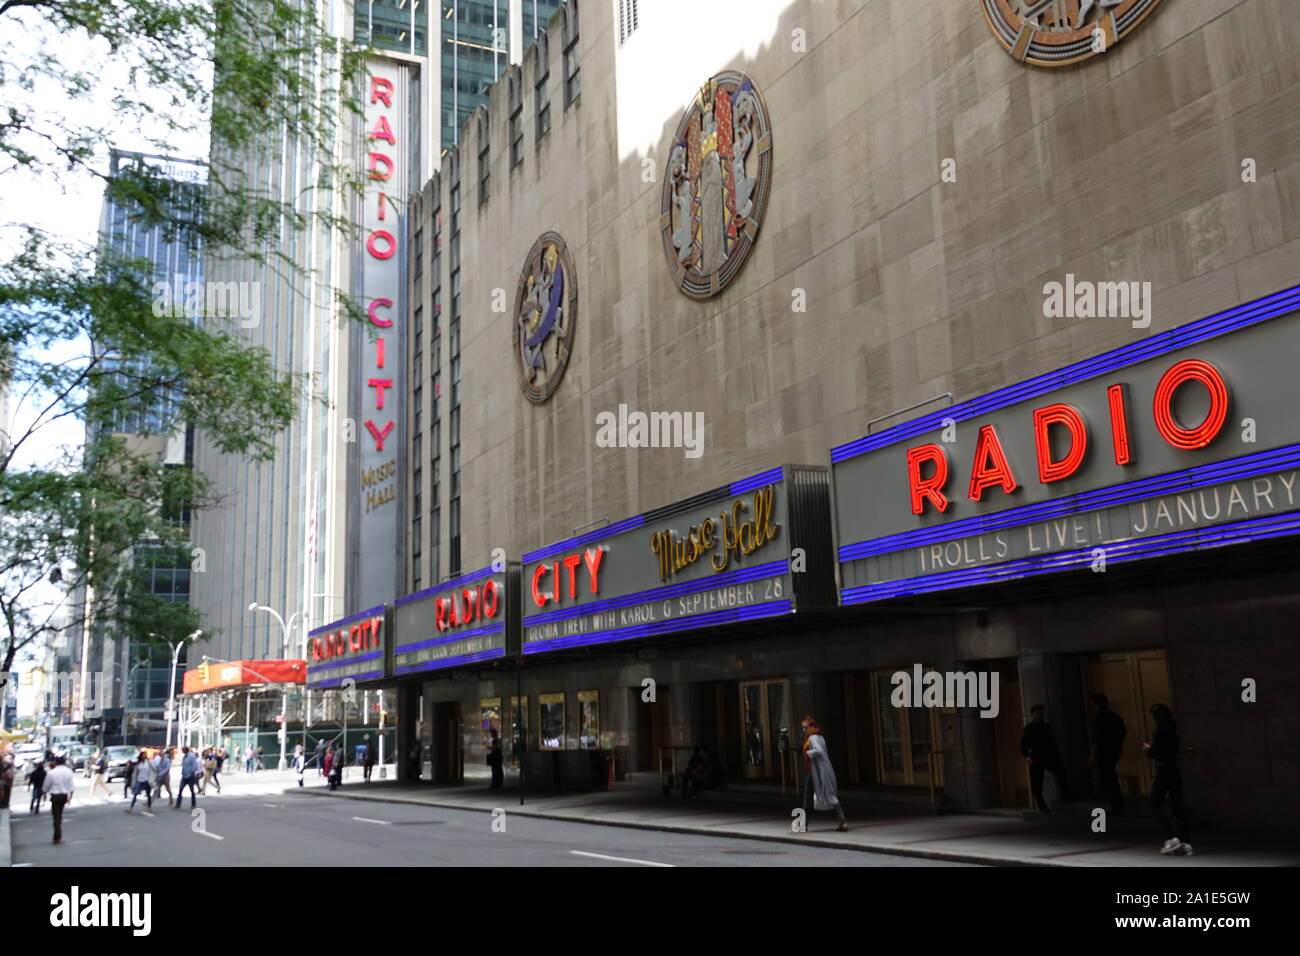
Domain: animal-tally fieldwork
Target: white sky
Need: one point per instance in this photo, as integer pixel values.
(65, 204)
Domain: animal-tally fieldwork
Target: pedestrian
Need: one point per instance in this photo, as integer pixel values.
(299, 763)
(1108, 732)
(98, 768)
(7, 773)
(60, 785)
(320, 757)
(248, 759)
(209, 768)
(163, 769)
(219, 756)
(413, 754)
(189, 776)
(1038, 745)
(368, 758)
(1167, 788)
(328, 763)
(495, 759)
(145, 778)
(36, 783)
(819, 792)
(336, 768)
(130, 776)
(260, 764)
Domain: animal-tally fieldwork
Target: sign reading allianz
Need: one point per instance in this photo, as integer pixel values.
(1180, 441)
(462, 621)
(720, 557)
(350, 648)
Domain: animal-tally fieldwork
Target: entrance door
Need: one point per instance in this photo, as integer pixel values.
(765, 727)
(904, 737)
(1132, 681)
(448, 759)
(1009, 724)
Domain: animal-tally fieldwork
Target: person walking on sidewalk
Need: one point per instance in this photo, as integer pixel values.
(368, 758)
(299, 763)
(1108, 732)
(190, 770)
(145, 778)
(249, 755)
(98, 768)
(495, 758)
(320, 757)
(209, 768)
(327, 763)
(1167, 788)
(220, 755)
(7, 773)
(163, 768)
(336, 768)
(819, 791)
(36, 784)
(1038, 745)
(60, 784)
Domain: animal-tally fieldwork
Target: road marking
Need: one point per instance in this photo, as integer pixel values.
(273, 806)
(619, 859)
(383, 823)
(23, 864)
(210, 836)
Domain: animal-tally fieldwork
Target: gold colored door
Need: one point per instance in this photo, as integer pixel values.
(1132, 681)
(904, 738)
(767, 736)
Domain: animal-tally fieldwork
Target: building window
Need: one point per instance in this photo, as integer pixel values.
(627, 19)
(484, 159)
(418, 252)
(541, 94)
(572, 84)
(517, 136)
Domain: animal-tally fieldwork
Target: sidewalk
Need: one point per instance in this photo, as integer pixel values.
(1002, 838)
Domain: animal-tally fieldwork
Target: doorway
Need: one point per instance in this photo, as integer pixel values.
(1013, 768)
(904, 738)
(765, 728)
(1132, 681)
(448, 750)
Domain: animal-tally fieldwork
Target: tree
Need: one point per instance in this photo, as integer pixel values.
(90, 342)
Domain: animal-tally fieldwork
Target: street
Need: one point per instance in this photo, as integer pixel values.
(254, 823)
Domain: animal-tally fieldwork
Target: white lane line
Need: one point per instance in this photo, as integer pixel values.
(619, 859)
(210, 836)
(273, 806)
(382, 823)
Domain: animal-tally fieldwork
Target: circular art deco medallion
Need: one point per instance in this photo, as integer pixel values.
(716, 185)
(546, 314)
(1059, 32)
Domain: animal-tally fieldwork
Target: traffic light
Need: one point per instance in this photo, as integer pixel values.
(203, 671)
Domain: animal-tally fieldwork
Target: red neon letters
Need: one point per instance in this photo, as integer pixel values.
(361, 636)
(380, 243)
(571, 564)
(472, 604)
(927, 465)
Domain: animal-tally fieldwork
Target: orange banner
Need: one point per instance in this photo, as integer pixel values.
(212, 675)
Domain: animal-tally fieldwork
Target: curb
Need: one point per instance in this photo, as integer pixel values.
(885, 848)
(6, 840)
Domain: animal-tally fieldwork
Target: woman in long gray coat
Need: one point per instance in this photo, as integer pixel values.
(819, 790)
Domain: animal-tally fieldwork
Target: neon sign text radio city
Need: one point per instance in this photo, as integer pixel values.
(361, 636)
(479, 603)
(590, 559)
(928, 467)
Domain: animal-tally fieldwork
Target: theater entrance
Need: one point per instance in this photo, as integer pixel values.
(768, 742)
(448, 748)
(1132, 681)
(906, 754)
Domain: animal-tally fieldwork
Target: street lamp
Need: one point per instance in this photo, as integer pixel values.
(284, 654)
(171, 686)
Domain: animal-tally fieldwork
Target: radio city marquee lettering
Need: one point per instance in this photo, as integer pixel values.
(736, 536)
(608, 585)
(378, 342)
(462, 621)
(351, 648)
(1152, 449)
(350, 640)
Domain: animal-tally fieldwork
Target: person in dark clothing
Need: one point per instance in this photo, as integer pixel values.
(1108, 732)
(336, 769)
(699, 774)
(1167, 788)
(413, 755)
(1038, 745)
(36, 783)
(320, 757)
(495, 758)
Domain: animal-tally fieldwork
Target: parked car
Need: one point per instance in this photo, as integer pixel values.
(27, 755)
(119, 759)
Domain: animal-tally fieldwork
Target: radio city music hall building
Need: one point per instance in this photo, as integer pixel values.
(836, 233)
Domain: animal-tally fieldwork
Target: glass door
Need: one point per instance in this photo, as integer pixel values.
(765, 726)
(903, 737)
